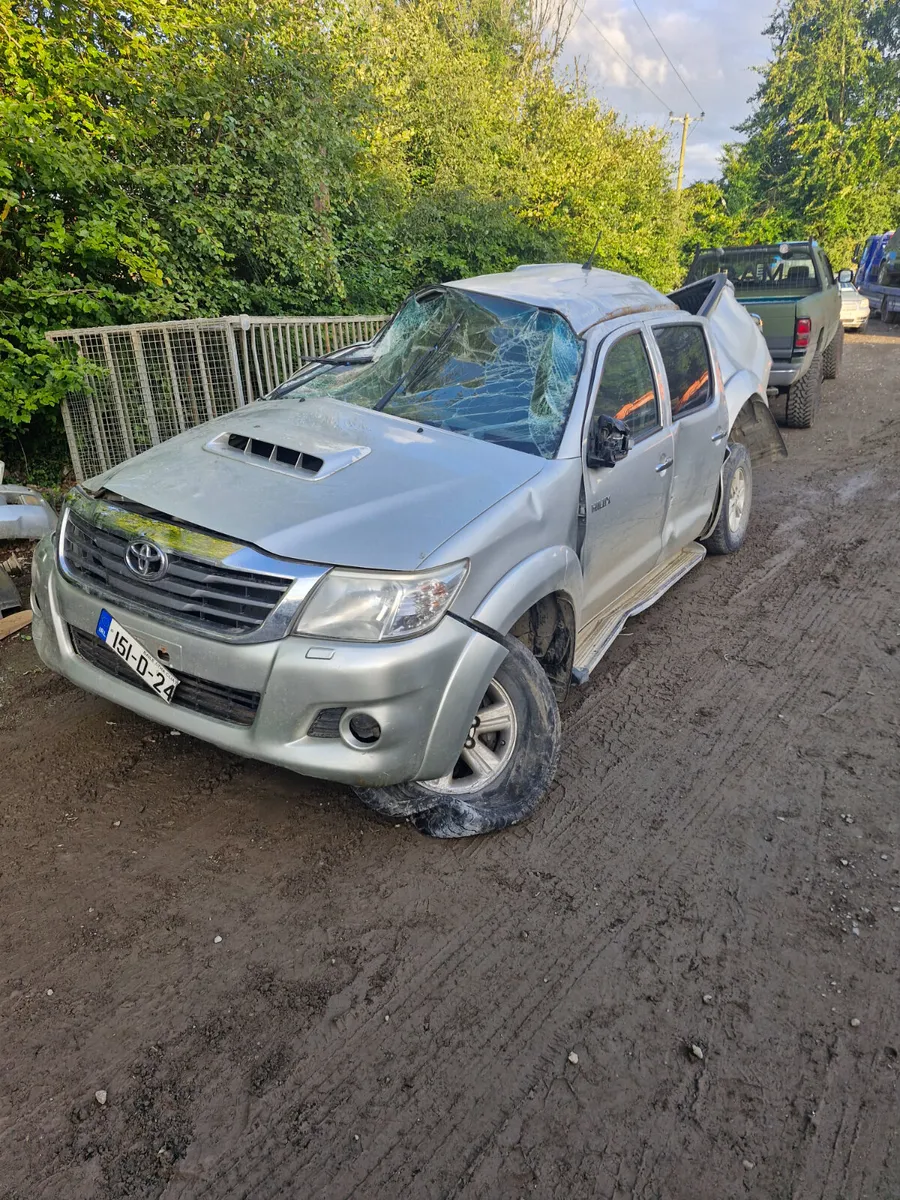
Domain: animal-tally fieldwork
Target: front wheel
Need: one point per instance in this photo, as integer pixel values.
(730, 529)
(505, 766)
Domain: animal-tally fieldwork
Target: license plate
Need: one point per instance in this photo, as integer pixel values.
(141, 661)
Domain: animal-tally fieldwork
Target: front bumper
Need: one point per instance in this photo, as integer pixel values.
(423, 692)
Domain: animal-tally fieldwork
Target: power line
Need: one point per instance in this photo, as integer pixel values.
(665, 52)
(641, 81)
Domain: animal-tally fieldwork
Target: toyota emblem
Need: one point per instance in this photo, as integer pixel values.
(146, 560)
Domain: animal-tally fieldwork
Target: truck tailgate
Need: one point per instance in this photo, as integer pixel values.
(778, 318)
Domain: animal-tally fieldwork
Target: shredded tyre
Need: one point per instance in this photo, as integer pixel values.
(804, 397)
(834, 353)
(730, 529)
(514, 742)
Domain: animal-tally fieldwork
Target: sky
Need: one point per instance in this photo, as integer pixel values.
(715, 46)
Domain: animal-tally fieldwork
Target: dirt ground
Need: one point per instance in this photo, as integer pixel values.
(386, 1016)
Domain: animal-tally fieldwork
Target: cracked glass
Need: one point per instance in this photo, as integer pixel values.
(478, 365)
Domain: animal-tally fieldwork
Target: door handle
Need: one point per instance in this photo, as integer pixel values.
(719, 435)
(664, 465)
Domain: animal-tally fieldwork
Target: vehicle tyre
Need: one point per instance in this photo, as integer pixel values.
(737, 497)
(503, 772)
(889, 317)
(804, 397)
(834, 352)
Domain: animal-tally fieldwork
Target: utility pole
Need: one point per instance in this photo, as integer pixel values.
(685, 122)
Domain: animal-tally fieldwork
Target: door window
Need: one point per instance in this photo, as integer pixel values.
(686, 360)
(627, 390)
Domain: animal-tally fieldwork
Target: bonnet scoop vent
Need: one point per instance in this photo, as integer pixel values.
(287, 459)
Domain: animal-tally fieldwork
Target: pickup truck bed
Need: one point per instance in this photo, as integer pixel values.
(792, 289)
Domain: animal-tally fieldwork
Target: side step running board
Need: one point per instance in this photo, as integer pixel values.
(595, 639)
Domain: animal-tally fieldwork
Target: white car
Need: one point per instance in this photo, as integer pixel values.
(854, 308)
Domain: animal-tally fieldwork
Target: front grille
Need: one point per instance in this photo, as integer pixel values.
(201, 595)
(202, 695)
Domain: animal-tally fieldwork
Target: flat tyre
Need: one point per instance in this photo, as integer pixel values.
(505, 766)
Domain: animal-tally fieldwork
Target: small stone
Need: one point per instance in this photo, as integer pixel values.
(896, 908)
(387, 1019)
(855, 931)
(116, 824)
(573, 1058)
(49, 991)
(174, 733)
(696, 1051)
(855, 1022)
(748, 1165)
(100, 1096)
(217, 938)
(707, 999)
(885, 857)
(356, 1137)
(844, 862)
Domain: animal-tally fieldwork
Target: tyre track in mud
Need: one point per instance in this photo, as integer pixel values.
(692, 844)
(473, 966)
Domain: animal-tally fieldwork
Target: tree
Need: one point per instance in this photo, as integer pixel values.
(822, 155)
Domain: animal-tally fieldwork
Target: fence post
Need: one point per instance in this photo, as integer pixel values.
(204, 381)
(127, 439)
(177, 401)
(235, 363)
(70, 438)
(138, 347)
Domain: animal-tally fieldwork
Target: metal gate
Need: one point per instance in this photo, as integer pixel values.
(156, 380)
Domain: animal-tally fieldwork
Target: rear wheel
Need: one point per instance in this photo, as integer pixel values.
(804, 397)
(889, 317)
(505, 766)
(834, 352)
(737, 496)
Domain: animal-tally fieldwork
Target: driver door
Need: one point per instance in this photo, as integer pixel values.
(626, 505)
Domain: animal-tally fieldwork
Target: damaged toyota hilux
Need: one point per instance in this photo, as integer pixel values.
(389, 572)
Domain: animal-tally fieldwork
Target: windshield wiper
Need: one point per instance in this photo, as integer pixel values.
(289, 384)
(415, 370)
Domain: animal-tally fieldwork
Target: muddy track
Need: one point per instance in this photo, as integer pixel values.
(388, 1016)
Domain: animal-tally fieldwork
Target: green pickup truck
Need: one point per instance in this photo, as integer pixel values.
(792, 289)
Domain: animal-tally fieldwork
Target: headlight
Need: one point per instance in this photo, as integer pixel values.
(360, 606)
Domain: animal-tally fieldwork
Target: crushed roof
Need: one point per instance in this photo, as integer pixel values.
(582, 297)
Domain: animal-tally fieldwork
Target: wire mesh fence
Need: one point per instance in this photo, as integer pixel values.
(153, 381)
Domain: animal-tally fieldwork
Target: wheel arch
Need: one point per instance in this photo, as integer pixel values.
(538, 602)
(756, 428)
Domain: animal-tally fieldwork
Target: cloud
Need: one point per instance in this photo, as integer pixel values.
(715, 47)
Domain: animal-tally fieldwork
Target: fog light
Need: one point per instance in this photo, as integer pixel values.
(365, 728)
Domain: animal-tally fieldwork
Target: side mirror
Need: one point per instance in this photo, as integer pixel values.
(845, 276)
(609, 441)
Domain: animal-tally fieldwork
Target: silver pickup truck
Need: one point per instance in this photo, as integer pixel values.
(389, 572)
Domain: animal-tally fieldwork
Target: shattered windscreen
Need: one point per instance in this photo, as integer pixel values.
(478, 365)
